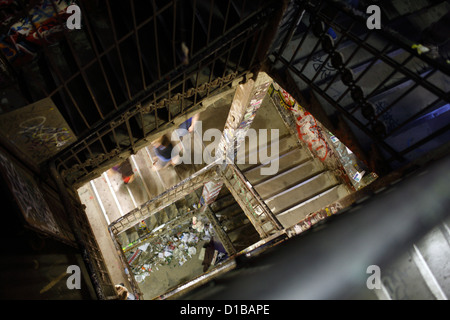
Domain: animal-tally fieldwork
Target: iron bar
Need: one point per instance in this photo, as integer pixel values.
(107, 50)
(404, 94)
(211, 10)
(226, 17)
(155, 29)
(77, 61)
(138, 45)
(194, 8)
(97, 55)
(130, 134)
(393, 63)
(255, 51)
(174, 53)
(119, 54)
(99, 138)
(328, 57)
(375, 91)
(410, 119)
(344, 112)
(372, 62)
(242, 10)
(211, 73)
(426, 139)
(298, 17)
(300, 43)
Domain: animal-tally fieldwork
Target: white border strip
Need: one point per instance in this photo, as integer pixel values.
(427, 275)
(157, 172)
(113, 193)
(142, 177)
(97, 196)
(131, 196)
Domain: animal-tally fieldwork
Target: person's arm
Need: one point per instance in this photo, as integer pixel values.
(193, 121)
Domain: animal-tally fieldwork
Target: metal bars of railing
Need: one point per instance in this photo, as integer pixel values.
(378, 62)
(253, 206)
(166, 198)
(166, 95)
(79, 157)
(92, 85)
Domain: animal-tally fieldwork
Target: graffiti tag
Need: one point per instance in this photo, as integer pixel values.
(310, 133)
(38, 135)
(308, 130)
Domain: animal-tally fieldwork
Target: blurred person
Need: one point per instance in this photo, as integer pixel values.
(189, 124)
(126, 171)
(163, 148)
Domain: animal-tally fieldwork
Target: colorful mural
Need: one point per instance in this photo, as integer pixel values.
(25, 36)
(38, 130)
(308, 129)
(322, 143)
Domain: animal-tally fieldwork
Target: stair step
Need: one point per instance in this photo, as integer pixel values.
(111, 207)
(432, 256)
(222, 202)
(171, 211)
(149, 176)
(297, 213)
(229, 212)
(151, 222)
(289, 178)
(286, 161)
(301, 192)
(233, 222)
(239, 241)
(285, 144)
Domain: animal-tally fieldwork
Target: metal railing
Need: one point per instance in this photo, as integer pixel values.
(132, 68)
(373, 78)
(251, 203)
(166, 198)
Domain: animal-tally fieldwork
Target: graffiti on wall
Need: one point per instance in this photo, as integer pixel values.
(38, 130)
(310, 133)
(314, 217)
(28, 197)
(38, 135)
(26, 35)
(308, 129)
(326, 69)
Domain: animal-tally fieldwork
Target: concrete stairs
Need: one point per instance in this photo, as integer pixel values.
(116, 199)
(233, 220)
(302, 184)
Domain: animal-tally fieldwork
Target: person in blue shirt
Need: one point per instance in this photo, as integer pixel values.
(163, 149)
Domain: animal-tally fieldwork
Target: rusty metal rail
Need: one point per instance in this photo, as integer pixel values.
(166, 198)
(374, 79)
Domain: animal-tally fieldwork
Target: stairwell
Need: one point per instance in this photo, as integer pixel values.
(302, 184)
